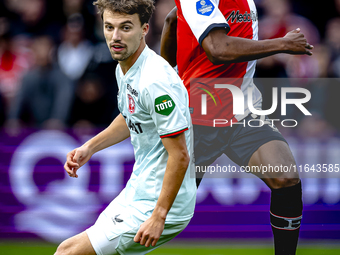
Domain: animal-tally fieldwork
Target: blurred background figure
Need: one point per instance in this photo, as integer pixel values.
(75, 52)
(85, 10)
(278, 19)
(332, 40)
(14, 62)
(91, 107)
(32, 18)
(321, 26)
(163, 7)
(45, 93)
(2, 111)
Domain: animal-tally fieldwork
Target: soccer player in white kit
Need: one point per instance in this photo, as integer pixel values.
(159, 198)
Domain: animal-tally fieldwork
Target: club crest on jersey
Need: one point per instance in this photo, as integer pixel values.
(164, 105)
(204, 7)
(131, 104)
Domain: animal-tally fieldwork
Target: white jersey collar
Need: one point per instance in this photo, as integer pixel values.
(133, 69)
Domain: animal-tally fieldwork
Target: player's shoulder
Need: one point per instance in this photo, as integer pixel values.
(156, 70)
(154, 62)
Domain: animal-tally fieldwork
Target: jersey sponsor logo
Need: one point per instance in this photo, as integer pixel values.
(246, 17)
(164, 105)
(136, 127)
(132, 104)
(132, 91)
(204, 7)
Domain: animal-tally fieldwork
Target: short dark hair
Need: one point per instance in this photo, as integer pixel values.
(144, 8)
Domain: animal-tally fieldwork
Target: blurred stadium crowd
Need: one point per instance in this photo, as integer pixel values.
(56, 71)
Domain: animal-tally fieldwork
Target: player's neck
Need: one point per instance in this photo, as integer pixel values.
(128, 63)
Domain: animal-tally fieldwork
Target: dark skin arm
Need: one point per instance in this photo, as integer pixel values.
(223, 49)
(169, 38)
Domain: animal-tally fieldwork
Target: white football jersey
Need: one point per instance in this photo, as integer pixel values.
(154, 103)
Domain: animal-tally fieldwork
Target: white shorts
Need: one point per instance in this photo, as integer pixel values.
(114, 234)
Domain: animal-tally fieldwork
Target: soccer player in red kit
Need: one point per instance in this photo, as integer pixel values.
(214, 39)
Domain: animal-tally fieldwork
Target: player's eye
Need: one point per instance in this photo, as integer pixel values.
(108, 27)
(126, 28)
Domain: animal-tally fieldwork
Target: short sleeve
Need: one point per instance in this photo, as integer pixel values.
(202, 16)
(166, 109)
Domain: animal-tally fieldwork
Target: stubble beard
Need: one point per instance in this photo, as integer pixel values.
(120, 56)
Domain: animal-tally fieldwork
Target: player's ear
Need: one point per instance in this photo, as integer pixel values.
(145, 29)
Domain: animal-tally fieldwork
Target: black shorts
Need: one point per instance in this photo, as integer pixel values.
(238, 142)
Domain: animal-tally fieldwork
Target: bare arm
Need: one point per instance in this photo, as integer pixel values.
(169, 38)
(176, 167)
(223, 49)
(113, 134)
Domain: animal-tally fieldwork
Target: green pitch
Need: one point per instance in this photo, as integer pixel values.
(173, 249)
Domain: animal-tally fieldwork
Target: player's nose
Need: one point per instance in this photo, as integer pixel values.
(116, 35)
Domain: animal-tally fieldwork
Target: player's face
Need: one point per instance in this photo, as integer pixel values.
(124, 34)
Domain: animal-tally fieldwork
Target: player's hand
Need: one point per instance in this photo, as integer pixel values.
(150, 231)
(75, 159)
(297, 43)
